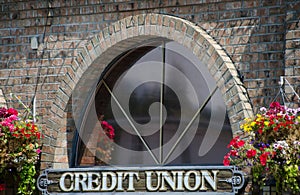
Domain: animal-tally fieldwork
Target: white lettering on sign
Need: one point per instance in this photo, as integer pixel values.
(131, 176)
(149, 186)
(80, 181)
(106, 181)
(186, 180)
(62, 182)
(211, 180)
(200, 179)
(93, 182)
(113, 182)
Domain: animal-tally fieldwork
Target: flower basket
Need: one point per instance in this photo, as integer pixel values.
(271, 147)
(19, 152)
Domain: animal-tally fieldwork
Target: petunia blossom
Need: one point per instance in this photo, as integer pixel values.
(250, 153)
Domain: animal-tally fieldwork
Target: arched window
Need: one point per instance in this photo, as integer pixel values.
(155, 104)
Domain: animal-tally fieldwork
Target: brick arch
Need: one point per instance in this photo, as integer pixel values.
(128, 33)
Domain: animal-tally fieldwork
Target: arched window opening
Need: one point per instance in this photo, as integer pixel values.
(155, 104)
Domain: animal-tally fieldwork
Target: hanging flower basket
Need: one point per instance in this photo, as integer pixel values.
(271, 147)
(19, 150)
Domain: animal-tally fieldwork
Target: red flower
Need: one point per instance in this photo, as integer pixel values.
(251, 153)
(236, 143)
(111, 134)
(38, 135)
(241, 143)
(108, 129)
(233, 153)
(12, 111)
(27, 135)
(226, 161)
(16, 135)
(2, 187)
(232, 142)
(275, 105)
(263, 158)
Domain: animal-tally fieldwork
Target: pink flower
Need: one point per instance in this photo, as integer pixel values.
(7, 123)
(104, 124)
(111, 134)
(3, 112)
(12, 118)
(11, 127)
(38, 151)
(109, 130)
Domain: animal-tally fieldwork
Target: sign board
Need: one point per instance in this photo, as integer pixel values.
(116, 180)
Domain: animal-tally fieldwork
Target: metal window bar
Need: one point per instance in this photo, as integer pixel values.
(162, 91)
(190, 123)
(130, 122)
(161, 160)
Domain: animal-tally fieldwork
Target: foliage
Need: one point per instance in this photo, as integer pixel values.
(19, 148)
(271, 147)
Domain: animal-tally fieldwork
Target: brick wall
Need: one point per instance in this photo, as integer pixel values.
(292, 51)
(260, 36)
(251, 32)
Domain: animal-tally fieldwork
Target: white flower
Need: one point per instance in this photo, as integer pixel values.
(263, 109)
(283, 144)
(275, 146)
(296, 143)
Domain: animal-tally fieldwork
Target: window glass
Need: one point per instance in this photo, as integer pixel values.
(156, 104)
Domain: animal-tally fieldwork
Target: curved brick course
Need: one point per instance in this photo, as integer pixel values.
(127, 33)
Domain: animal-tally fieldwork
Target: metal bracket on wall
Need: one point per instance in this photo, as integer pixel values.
(286, 88)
